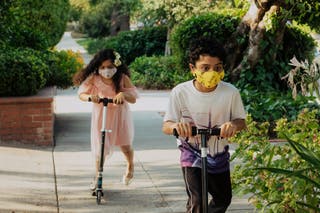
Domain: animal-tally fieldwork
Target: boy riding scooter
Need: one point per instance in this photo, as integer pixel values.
(205, 102)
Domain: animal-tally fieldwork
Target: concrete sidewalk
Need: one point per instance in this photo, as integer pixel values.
(57, 180)
(158, 185)
(34, 179)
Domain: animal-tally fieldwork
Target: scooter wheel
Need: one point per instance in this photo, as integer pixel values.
(99, 195)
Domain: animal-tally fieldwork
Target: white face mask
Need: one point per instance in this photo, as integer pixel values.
(107, 72)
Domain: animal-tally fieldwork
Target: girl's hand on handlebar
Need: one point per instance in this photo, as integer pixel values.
(119, 98)
(228, 130)
(95, 98)
(183, 129)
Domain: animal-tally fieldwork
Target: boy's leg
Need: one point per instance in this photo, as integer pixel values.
(192, 179)
(219, 186)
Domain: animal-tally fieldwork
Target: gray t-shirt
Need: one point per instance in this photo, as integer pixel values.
(204, 110)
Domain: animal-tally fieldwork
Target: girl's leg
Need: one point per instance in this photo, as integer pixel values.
(128, 153)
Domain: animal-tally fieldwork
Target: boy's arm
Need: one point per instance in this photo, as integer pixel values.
(183, 129)
(230, 128)
(168, 126)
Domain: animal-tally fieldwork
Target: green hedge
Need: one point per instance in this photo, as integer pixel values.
(157, 72)
(28, 29)
(38, 24)
(22, 72)
(213, 25)
(269, 71)
(62, 66)
(132, 44)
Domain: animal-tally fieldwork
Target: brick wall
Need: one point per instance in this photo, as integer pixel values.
(28, 120)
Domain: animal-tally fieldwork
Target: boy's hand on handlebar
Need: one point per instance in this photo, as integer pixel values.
(228, 130)
(119, 98)
(183, 129)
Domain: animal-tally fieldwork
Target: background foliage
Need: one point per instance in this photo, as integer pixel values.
(214, 25)
(38, 24)
(132, 44)
(22, 71)
(28, 32)
(272, 190)
(157, 72)
(62, 66)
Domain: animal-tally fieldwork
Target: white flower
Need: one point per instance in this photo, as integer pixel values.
(117, 61)
(254, 156)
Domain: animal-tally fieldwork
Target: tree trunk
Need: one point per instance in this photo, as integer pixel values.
(252, 25)
(119, 21)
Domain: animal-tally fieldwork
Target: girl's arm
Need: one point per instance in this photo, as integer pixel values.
(88, 97)
(85, 90)
(84, 97)
(127, 95)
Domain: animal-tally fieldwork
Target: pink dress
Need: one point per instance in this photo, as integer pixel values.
(119, 119)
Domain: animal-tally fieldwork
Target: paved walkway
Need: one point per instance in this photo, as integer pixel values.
(57, 180)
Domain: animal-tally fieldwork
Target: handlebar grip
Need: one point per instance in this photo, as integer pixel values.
(195, 131)
(104, 100)
(175, 133)
(215, 131)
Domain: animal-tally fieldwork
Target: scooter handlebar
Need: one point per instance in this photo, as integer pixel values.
(105, 101)
(196, 131)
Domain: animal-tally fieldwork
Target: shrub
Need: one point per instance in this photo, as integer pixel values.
(280, 178)
(22, 72)
(132, 44)
(213, 25)
(38, 24)
(268, 72)
(267, 106)
(156, 72)
(62, 66)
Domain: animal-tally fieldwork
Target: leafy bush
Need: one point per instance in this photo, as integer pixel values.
(267, 106)
(38, 24)
(22, 71)
(132, 44)
(213, 25)
(62, 66)
(269, 71)
(156, 72)
(261, 172)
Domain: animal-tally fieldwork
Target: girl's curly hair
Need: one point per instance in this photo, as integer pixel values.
(206, 46)
(95, 63)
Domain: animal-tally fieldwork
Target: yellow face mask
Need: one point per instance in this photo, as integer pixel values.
(209, 79)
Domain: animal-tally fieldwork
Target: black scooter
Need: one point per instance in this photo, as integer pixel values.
(99, 191)
(204, 133)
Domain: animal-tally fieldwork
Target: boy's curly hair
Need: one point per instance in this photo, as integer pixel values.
(205, 46)
(93, 68)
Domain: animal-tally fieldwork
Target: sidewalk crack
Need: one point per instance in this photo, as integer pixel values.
(55, 180)
(163, 202)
